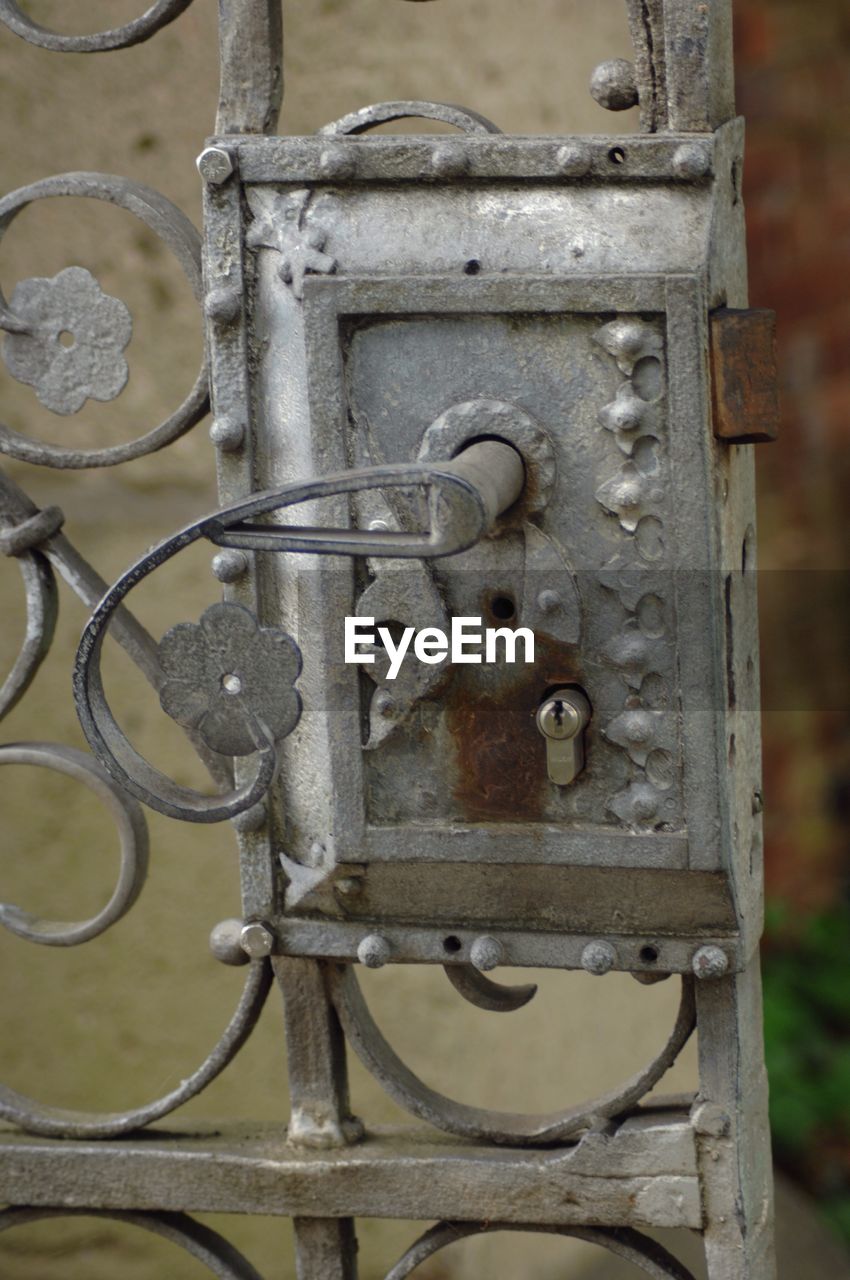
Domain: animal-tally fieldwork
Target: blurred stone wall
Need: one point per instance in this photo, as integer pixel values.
(124, 1018)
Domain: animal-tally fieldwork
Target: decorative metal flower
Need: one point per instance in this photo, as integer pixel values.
(284, 223)
(71, 347)
(225, 671)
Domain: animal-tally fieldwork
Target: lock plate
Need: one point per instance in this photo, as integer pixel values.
(424, 302)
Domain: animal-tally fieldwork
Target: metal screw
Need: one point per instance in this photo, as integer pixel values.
(229, 565)
(215, 165)
(226, 942)
(573, 159)
(374, 951)
(549, 601)
(613, 85)
(256, 940)
(227, 434)
(223, 305)
(487, 953)
(710, 962)
(690, 161)
(598, 957)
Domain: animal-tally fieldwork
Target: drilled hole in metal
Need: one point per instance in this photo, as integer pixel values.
(617, 155)
(67, 338)
(648, 955)
(452, 944)
(472, 267)
(502, 607)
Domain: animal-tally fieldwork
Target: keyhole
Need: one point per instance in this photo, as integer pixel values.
(559, 712)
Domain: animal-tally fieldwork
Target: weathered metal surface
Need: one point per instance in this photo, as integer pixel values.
(637, 1173)
(478, 365)
(745, 394)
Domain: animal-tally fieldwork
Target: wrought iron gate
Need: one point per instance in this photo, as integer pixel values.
(505, 377)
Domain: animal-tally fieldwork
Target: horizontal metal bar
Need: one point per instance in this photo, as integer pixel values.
(680, 158)
(643, 1174)
(412, 944)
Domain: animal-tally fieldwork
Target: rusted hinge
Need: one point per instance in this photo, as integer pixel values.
(745, 394)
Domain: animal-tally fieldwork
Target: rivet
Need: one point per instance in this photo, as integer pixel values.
(215, 165)
(256, 940)
(379, 526)
(226, 942)
(487, 953)
(598, 957)
(710, 962)
(338, 161)
(549, 601)
(573, 159)
(227, 434)
(223, 305)
(374, 951)
(448, 160)
(229, 565)
(690, 161)
(710, 1119)
(613, 85)
(250, 820)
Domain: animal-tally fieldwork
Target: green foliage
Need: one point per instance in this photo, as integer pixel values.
(807, 1044)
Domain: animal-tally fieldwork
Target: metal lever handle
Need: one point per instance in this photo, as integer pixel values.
(466, 496)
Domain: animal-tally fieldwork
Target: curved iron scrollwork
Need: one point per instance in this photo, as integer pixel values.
(217, 1254)
(630, 1246)
(404, 1087)
(60, 1122)
(147, 24)
(93, 366)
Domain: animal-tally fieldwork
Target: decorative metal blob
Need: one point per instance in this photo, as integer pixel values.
(477, 388)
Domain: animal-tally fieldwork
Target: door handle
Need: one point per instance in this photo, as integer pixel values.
(465, 496)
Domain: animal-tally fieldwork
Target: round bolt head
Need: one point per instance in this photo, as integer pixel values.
(338, 161)
(223, 305)
(573, 159)
(226, 942)
(229, 565)
(487, 953)
(256, 940)
(448, 160)
(710, 962)
(215, 165)
(549, 601)
(614, 86)
(374, 951)
(227, 434)
(598, 957)
(690, 161)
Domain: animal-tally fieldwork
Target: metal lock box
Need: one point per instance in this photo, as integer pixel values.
(385, 300)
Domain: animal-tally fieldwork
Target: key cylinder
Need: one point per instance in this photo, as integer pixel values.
(562, 718)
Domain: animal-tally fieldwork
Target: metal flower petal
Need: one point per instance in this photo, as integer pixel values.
(71, 350)
(226, 676)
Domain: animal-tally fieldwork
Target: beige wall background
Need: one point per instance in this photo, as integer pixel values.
(122, 1019)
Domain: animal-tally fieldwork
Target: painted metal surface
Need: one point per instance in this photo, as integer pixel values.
(478, 365)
